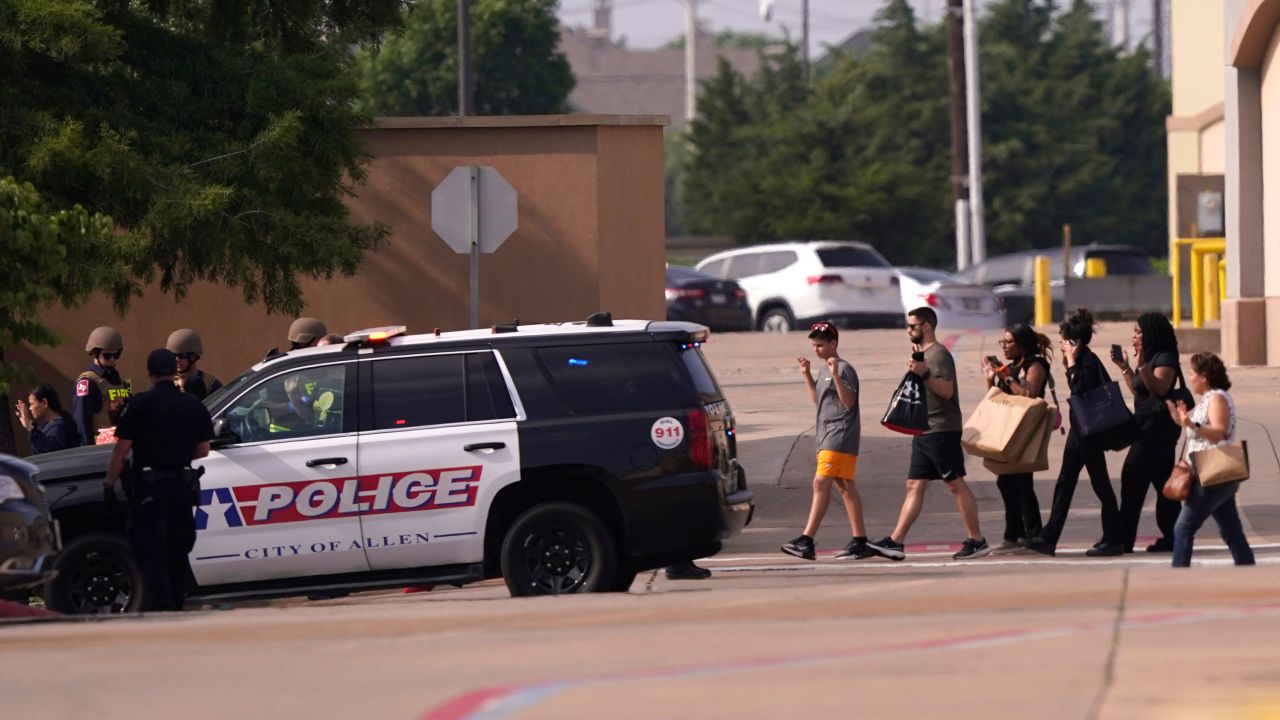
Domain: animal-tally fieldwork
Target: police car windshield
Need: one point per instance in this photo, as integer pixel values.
(216, 396)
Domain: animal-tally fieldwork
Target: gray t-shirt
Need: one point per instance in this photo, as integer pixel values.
(944, 415)
(839, 428)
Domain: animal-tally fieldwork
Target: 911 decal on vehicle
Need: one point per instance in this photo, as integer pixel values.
(303, 500)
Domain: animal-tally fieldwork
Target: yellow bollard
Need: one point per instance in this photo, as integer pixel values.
(1197, 289)
(1095, 268)
(1222, 280)
(1211, 297)
(1044, 301)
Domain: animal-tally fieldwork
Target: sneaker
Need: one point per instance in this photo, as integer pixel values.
(801, 547)
(856, 550)
(687, 571)
(887, 548)
(1006, 547)
(1039, 545)
(973, 549)
(1104, 550)
(1160, 546)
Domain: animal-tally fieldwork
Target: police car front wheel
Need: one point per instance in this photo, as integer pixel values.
(97, 575)
(556, 549)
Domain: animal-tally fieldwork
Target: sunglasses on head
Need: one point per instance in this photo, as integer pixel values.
(111, 355)
(821, 327)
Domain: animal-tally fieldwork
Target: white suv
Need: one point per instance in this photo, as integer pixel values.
(791, 284)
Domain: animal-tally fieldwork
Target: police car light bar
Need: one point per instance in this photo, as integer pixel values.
(374, 335)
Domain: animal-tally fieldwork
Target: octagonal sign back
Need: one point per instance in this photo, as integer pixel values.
(451, 211)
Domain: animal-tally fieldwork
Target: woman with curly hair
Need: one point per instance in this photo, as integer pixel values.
(1151, 457)
(1210, 424)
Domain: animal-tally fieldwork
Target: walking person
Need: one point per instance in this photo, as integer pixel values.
(1151, 457)
(838, 432)
(100, 392)
(1084, 373)
(51, 427)
(1025, 373)
(937, 454)
(165, 429)
(186, 347)
(1211, 423)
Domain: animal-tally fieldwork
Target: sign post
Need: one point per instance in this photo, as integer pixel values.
(474, 211)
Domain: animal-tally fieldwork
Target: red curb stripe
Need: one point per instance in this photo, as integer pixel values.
(10, 610)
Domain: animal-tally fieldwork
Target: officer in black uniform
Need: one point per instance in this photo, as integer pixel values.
(186, 346)
(166, 429)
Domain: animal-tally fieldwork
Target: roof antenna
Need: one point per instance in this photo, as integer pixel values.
(600, 319)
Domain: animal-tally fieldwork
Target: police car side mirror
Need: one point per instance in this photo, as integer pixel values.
(222, 434)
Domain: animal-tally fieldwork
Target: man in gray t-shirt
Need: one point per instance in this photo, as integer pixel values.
(837, 434)
(944, 412)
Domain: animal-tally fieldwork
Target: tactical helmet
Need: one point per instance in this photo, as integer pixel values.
(184, 341)
(306, 330)
(104, 338)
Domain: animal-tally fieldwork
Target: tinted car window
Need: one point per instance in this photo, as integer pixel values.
(416, 391)
(744, 265)
(715, 268)
(775, 261)
(617, 378)
(1003, 270)
(703, 380)
(487, 396)
(851, 256)
(683, 274)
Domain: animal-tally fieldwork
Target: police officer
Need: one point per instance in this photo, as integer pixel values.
(186, 346)
(166, 429)
(100, 392)
(303, 333)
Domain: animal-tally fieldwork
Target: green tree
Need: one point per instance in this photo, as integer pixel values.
(516, 64)
(732, 39)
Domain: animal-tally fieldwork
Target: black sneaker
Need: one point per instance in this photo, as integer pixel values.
(973, 549)
(687, 571)
(1104, 550)
(856, 550)
(1039, 545)
(801, 547)
(1162, 545)
(887, 548)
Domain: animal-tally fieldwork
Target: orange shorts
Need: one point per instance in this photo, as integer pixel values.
(842, 466)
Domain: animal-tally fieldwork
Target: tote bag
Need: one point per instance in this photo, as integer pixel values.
(907, 412)
(1003, 425)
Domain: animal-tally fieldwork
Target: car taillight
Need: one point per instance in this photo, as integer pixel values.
(739, 294)
(895, 281)
(824, 279)
(934, 300)
(688, 293)
(700, 440)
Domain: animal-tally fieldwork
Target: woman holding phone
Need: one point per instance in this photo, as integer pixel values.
(1084, 373)
(1026, 373)
(1151, 457)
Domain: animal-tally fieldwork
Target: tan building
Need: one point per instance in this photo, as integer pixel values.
(590, 238)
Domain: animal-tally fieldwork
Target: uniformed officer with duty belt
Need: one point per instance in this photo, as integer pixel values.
(166, 429)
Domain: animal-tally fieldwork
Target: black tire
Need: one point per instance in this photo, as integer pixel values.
(556, 549)
(778, 319)
(96, 575)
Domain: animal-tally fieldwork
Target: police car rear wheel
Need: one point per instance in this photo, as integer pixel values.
(557, 549)
(97, 575)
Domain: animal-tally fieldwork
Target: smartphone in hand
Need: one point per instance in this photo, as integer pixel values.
(918, 356)
(993, 361)
(1117, 353)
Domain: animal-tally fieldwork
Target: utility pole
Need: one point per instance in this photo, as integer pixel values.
(973, 102)
(690, 59)
(804, 36)
(1157, 35)
(959, 153)
(464, 58)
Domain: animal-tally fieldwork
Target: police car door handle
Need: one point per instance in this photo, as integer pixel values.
(472, 447)
(327, 461)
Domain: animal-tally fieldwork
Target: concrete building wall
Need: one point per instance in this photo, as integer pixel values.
(1196, 55)
(590, 238)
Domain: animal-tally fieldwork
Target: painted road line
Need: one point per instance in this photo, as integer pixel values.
(497, 702)
(1070, 552)
(990, 562)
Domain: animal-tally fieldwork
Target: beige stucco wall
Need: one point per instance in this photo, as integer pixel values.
(1271, 166)
(1196, 55)
(1213, 149)
(590, 238)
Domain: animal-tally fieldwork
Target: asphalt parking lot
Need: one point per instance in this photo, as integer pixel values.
(768, 635)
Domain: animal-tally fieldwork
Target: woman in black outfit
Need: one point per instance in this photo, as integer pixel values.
(51, 427)
(1026, 373)
(1151, 457)
(1084, 373)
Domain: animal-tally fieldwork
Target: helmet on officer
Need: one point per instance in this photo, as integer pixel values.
(104, 338)
(306, 331)
(184, 341)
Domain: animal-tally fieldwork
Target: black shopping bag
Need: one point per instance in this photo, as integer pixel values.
(907, 413)
(1099, 410)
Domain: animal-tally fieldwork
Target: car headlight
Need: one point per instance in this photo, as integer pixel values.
(10, 489)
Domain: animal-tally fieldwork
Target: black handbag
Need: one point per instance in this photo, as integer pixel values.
(1102, 415)
(908, 412)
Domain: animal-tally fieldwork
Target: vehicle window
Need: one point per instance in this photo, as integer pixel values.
(417, 391)
(302, 403)
(928, 276)
(703, 380)
(683, 273)
(1124, 263)
(630, 377)
(851, 256)
(1004, 271)
(775, 261)
(487, 396)
(744, 265)
(715, 268)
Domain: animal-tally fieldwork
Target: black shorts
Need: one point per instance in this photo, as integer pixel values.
(937, 456)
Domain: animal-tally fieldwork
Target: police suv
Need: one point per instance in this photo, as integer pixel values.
(562, 457)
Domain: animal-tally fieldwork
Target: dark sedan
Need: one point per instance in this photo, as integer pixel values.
(699, 298)
(28, 538)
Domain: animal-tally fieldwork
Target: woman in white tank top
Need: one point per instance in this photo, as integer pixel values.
(1210, 423)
